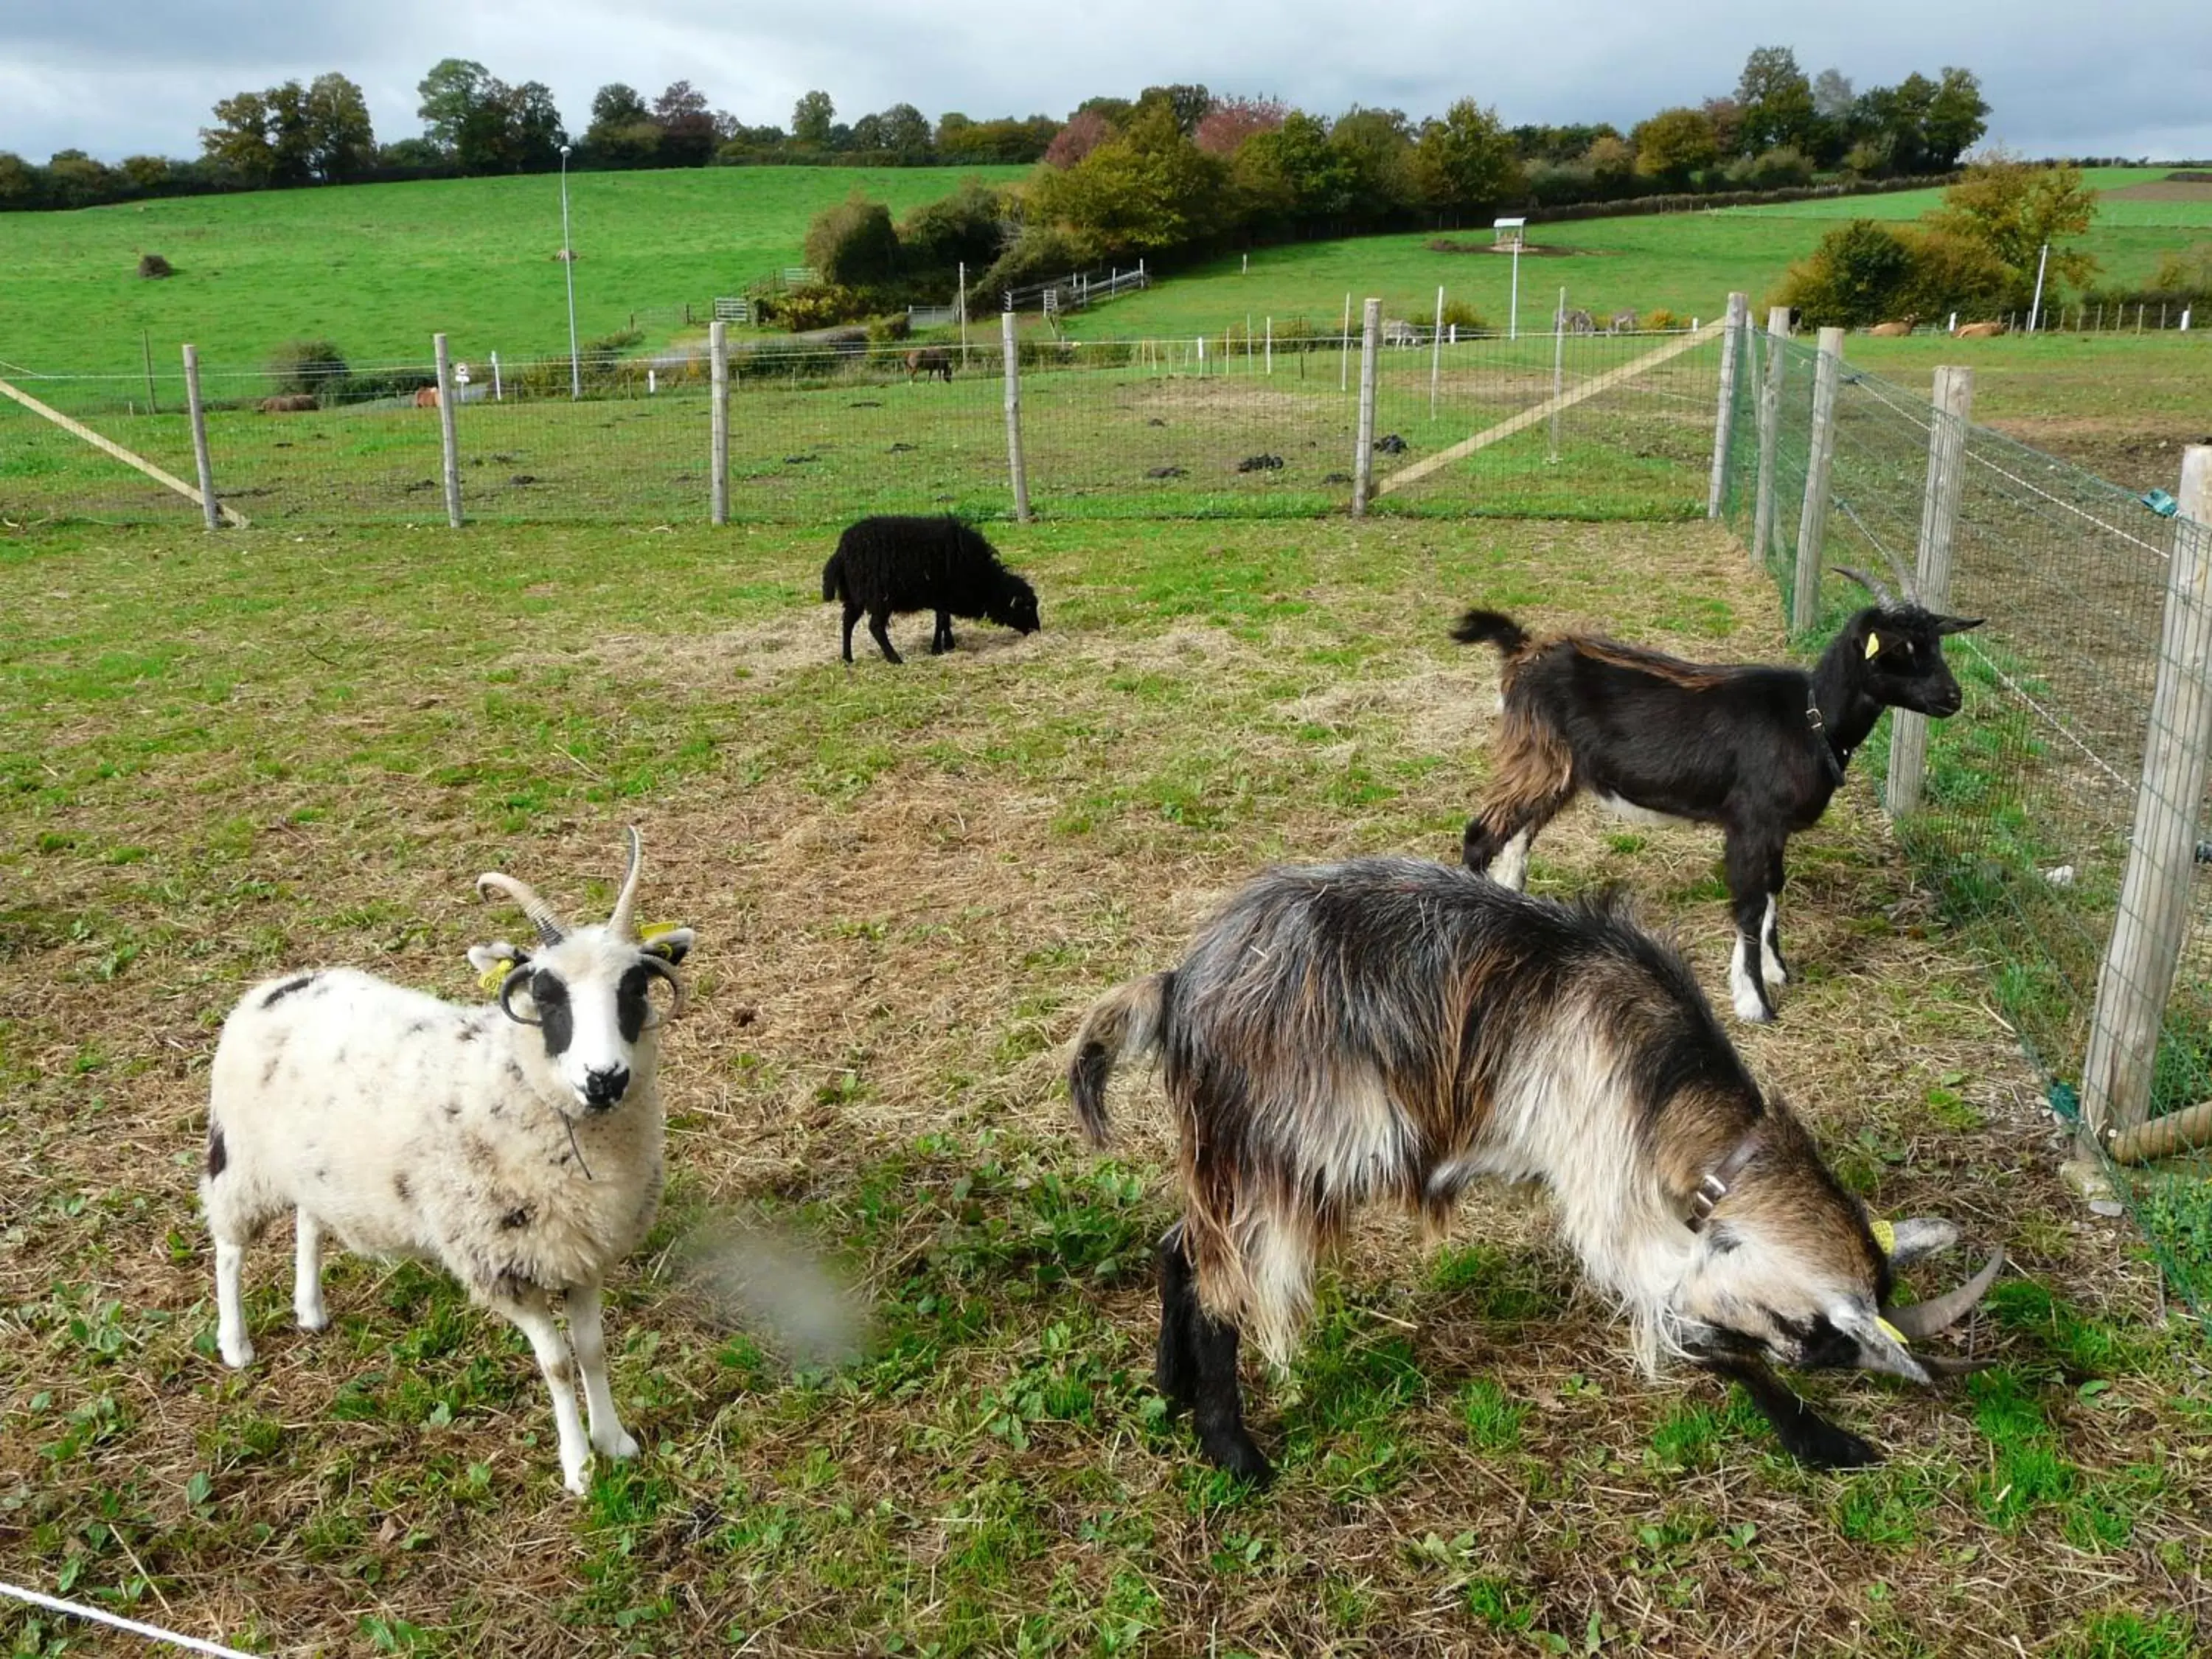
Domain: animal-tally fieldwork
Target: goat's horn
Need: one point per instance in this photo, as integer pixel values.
(620, 924)
(550, 928)
(1879, 589)
(1940, 1365)
(1907, 583)
(1941, 1313)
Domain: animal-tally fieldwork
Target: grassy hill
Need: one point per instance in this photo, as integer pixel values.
(1687, 263)
(377, 268)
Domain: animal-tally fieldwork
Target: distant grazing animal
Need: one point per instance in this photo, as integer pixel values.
(1622, 322)
(1389, 1030)
(426, 398)
(892, 565)
(1577, 322)
(521, 1150)
(292, 403)
(1756, 749)
(931, 363)
(1896, 331)
(1395, 333)
(1978, 331)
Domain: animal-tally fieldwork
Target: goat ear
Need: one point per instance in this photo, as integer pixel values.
(670, 944)
(1883, 1349)
(1957, 624)
(1905, 1241)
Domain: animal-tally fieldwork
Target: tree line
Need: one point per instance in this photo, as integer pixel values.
(1366, 168)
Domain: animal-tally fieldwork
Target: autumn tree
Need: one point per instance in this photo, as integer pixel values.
(1464, 160)
(1675, 145)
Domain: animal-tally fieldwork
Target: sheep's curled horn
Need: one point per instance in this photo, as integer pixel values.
(551, 930)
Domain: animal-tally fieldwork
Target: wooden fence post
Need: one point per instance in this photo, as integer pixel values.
(448, 435)
(1813, 516)
(1769, 430)
(1013, 357)
(201, 459)
(1370, 355)
(1735, 341)
(718, 350)
(2138, 974)
(1931, 576)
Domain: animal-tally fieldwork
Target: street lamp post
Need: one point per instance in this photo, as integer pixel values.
(568, 267)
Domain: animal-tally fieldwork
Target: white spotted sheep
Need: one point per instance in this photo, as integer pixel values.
(518, 1143)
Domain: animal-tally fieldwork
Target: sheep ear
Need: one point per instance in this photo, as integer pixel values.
(492, 961)
(670, 942)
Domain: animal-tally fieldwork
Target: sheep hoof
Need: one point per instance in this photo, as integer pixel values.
(1752, 1008)
(312, 1319)
(238, 1355)
(577, 1481)
(621, 1445)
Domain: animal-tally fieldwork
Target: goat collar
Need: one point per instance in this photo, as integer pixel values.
(1714, 1187)
(1826, 744)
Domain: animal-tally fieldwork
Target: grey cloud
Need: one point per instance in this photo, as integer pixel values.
(140, 75)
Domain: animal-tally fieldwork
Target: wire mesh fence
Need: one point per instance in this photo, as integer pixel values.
(2030, 805)
(1228, 424)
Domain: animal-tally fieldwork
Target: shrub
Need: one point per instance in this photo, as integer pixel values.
(854, 243)
(1866, 272)
(309, 366)
(1458, 313)
(966, 226)
(153, 265)
(1663, 318)
(818, 305)
(2185, 272)
(883, 331)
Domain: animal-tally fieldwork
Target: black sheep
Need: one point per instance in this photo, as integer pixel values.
(887, 565)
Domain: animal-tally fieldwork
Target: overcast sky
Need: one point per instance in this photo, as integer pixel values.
(118, 77)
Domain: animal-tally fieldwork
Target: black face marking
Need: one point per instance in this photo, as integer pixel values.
(269, 1072)
(452, 1110)
(416, 1027)
(286, 990)
(512, 1070)
(466, 1034)
(402, 1189)
(555, 1018)
(629, 1002)
(218, 1154)
(520, 1216)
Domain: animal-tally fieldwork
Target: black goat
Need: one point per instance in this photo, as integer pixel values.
(1389, 1030)
(1756, 749)
(885, 566)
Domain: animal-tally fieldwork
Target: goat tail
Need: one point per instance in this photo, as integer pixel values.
(1130, 1019)
(1491, 628)
(833, 577)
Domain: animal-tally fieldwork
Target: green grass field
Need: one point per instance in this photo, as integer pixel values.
(1687, 263)
(909, 884)
(380, 268)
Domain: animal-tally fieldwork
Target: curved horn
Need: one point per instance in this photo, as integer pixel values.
(1938, 1364)
(550, 928)
(655, 965)
(1941, 1313)
(621, 924)
(515, 975)
(1879, 589)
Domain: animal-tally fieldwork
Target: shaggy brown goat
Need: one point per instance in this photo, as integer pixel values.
(1388, 1030)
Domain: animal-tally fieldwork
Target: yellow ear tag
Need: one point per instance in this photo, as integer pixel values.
(490, 977)
(1892, 1333)
(1873, 644)
(653, 930)
(1884, 1235)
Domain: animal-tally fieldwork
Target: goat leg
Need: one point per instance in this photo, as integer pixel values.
(1748, 898)
(1218, 1410)
(1175, 1372)
(852, 615)
(1804, 1433)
